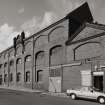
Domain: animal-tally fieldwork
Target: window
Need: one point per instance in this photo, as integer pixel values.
(39, 75)
(19, 61)
(27, 76)
(40, 55)
(18, 77)
(11, 63)
(28, 58)
(0, 66)
(11, 77)
(56, 49)
(11, 53)
(40, 58)
(5, 65)
(0, 79)
(5, 55)
(18, 50)
(5, 77)
(56, 55)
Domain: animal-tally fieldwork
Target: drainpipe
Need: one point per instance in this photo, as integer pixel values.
(92, 75)
(61, 77)
(8, 70)
(33, 64)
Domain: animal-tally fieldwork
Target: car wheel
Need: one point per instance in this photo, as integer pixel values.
(73, 96)
(101, 100)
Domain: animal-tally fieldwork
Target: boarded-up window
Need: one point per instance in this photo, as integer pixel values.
(0, 79)
(88, 50)
(39, 75)
(28, 46)
(5, 78)
(57, 33)
(40, 58)
(5, 65)
(1, 66)
(19, 50)
(18, 77)
(56, 55)
(11, 63)
(11, 77)
(41, 40)
(28, 76)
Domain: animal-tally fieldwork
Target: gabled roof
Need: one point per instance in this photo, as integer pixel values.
(80, 29)
(81, 14)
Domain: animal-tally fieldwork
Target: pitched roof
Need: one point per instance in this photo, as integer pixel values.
(91, 25)
(81, 14)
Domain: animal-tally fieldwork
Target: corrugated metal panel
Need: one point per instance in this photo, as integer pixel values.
(86, 78)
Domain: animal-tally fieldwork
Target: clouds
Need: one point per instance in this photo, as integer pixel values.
(63, 7)
(37, 23)
(7, 33)
(20, 11)
(57, 10)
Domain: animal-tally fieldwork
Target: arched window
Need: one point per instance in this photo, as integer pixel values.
(39, 75)
(5, 78)
(11, 77)
(1, 66)
(40, 55)
(6, 55)
(41, 40)
(5, 65)
(55, 49)
(0, 79)
(28, 58)
(19, 61)
(28, 46)
(88, 50)
(18, 50)
(11, 63)
(28, 76)
(40, 58)
(18, 76)
(56, 33)
(11, 53)
(56, 55)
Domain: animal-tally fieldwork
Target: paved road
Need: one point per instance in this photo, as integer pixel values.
(8, 97)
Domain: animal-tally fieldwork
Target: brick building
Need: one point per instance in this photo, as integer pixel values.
(66, 54)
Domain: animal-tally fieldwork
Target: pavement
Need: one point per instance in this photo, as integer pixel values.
(55, 94)
(35, 91)
(21, 89)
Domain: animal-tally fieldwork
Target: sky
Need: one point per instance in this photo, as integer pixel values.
(33, 15)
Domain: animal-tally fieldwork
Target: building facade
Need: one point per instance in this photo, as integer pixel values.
(66, 54)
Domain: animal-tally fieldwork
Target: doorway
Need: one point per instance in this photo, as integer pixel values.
(98, 82)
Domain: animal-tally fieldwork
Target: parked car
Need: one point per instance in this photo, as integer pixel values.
(88, 93)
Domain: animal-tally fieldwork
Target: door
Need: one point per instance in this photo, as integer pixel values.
(55, 84)
(98, 82)
(0, 79)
